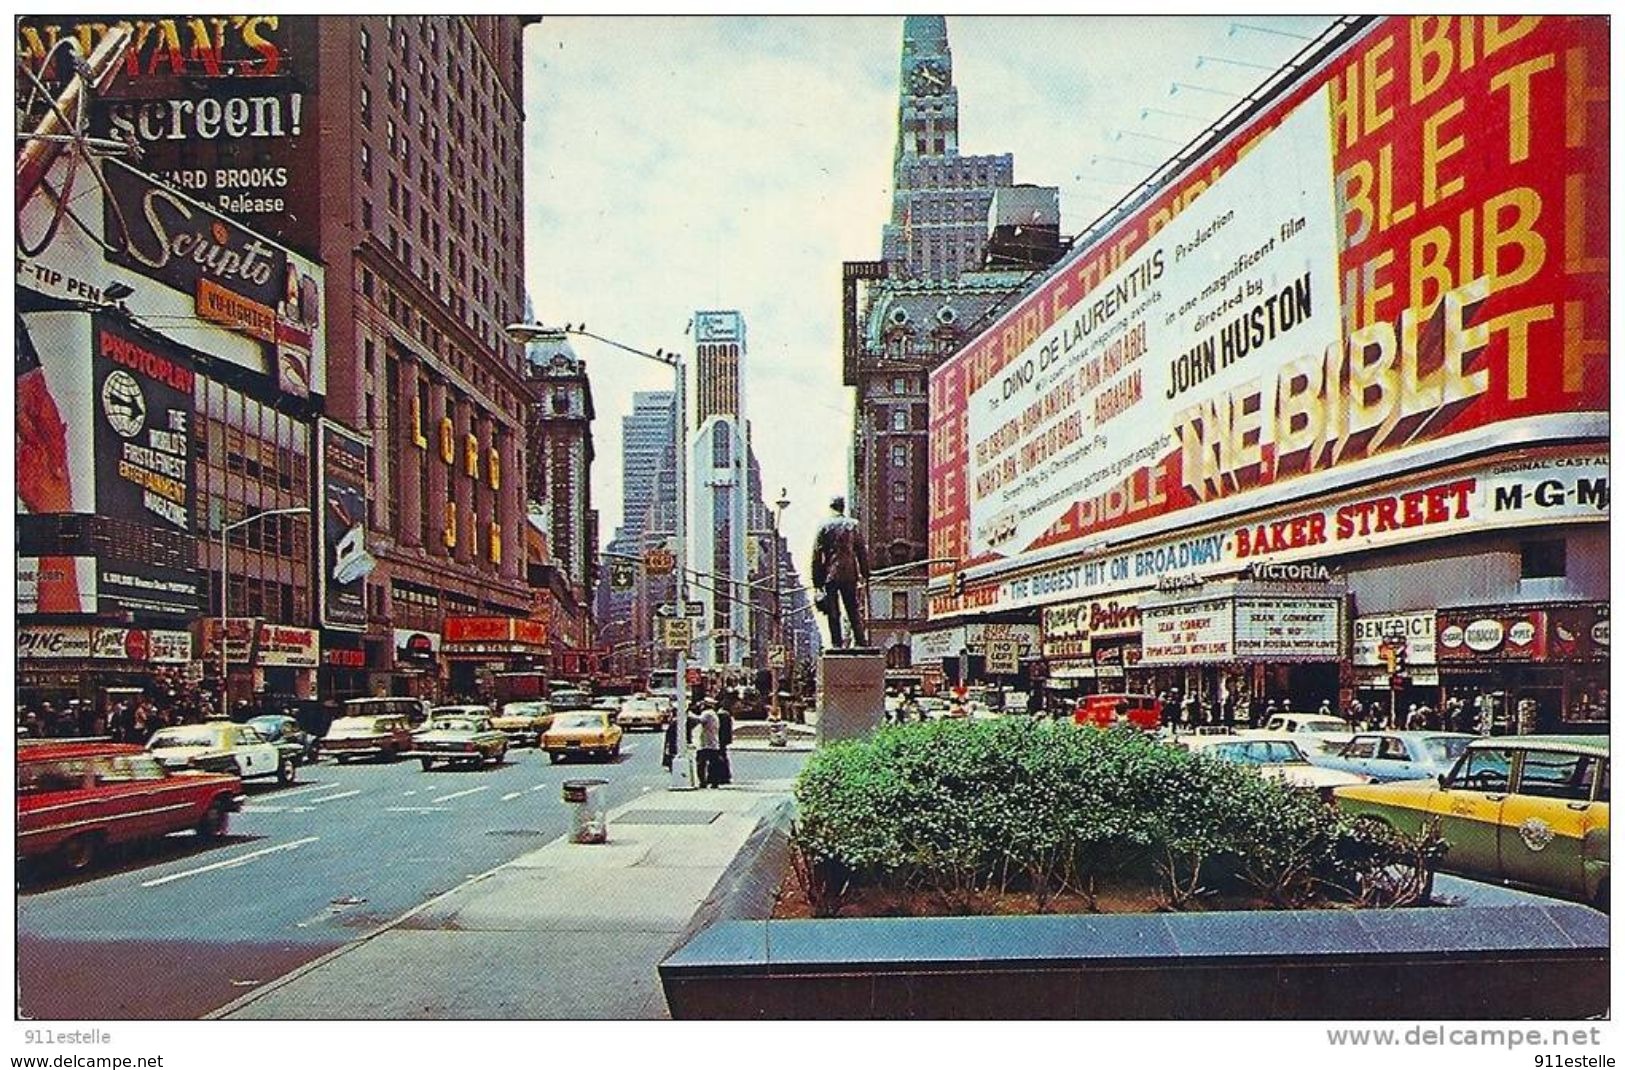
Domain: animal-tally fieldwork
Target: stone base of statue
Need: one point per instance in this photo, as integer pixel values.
(851, 693)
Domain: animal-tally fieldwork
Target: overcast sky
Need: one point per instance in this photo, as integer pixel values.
(675, 164)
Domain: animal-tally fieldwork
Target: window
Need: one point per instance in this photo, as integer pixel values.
(1484, 770)
(899, 419)
(899, 605)
(899, 456)
(366, 215)
(366, 108)
(1393, 750)
(1544, 559)
(1362, 747)
(366, 50)
(899, 492)
(1554, 775)
(899, 385)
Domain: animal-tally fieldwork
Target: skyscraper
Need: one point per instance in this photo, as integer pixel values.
(962, 239)
(720, 446)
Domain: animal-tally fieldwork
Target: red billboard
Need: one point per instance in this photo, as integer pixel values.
(1400, 259)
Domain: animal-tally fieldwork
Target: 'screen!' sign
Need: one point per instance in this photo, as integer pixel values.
(1205, 351)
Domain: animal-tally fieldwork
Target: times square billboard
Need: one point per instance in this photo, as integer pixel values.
(221, 107)
(1399, 260)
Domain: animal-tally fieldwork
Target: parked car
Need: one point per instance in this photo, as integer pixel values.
(644, 711)
(582, 732)
(75, 800)
(524, 721)
(1103, 711)
(1530, 811)
(1385, 756)
(457, 735)
(286, 735)
(415, 710)
(1275, 759)
(1316, 732)
(387, 736)
(222, 747)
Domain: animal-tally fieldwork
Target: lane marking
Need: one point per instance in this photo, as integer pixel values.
(416, 809)
(460, 794)
(409, 794)
(230, 863)
(253, 809)
(340, 795)
(285, 792)
(512, 795)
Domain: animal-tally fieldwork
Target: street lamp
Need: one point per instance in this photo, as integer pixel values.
(225, 702)
(526, 333)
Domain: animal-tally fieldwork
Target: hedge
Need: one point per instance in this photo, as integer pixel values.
(960, 809)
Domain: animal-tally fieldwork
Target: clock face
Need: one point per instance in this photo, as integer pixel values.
(929, 78)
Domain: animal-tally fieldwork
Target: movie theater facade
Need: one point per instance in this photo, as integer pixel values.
(1322, 413)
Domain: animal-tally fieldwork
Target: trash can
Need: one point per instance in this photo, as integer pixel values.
(591, 823)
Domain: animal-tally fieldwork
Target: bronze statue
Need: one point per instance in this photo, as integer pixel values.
(840, 561)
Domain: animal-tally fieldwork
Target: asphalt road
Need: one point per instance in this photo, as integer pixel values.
(177, 929)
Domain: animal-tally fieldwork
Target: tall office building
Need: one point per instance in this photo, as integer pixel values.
(625, 601)
(421, 206)
(963, 238)
(720, 531)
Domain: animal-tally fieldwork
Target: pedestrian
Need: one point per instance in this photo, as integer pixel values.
(1326, 708)
(1229, 709)
(668, 752)
(723, 771)
(710, 743)
(1414, 722)
(1270, 710)
(1246, 711)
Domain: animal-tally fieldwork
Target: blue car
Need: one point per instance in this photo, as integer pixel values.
(1385, 756)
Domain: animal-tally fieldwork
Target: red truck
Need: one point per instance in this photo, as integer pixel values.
(1103, 711)
(76, 800)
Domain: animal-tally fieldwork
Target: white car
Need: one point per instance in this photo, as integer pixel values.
(1315, 731)
(1276, 759)
(221, 747)
(643, 711)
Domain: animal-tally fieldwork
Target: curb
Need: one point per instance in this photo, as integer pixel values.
(747, 885)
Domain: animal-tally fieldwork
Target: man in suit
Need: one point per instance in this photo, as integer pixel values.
(840, 562)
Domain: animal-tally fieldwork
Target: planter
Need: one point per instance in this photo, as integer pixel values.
(1497, 955)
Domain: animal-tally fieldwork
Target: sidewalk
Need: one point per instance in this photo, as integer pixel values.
(568, 931)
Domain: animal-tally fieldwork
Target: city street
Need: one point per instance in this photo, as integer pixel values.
(177, 930)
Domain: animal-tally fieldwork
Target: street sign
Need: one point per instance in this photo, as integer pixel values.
(659, 561)
(676, 634)
(1003, 657)
(692, 609)
(775, 657)
(623, 575)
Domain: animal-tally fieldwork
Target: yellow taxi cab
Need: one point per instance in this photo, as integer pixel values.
(1530, 811)
(582, 732)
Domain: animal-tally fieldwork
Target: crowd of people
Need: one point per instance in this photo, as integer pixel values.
(125, 718)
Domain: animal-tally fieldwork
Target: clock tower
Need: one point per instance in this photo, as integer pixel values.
(928, 116)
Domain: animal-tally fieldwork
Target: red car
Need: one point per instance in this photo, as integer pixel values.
(75, 800)
(1103, 711)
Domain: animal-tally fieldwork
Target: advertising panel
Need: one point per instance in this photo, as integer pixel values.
(169, 646)
(1191, 632)
(1425, 280)
(1532, 488)
(280, 645)
(345, 560)
(416, 649)
(221, 106)
(929, 648)
(126, 587)
(50, 641)
(1491, 635)
(1415, 630)
(143, 390)
(1283, 629)
(236, 277)
(55, 584)
(241, 632)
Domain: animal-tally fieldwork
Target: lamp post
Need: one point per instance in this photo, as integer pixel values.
(295, 510)
(778, 599)
(524, 334)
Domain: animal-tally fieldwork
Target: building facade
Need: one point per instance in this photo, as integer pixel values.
(934, 287)
(627, 595)
(1303, 439)
(558, 486)
(719, 532)
(420, 206)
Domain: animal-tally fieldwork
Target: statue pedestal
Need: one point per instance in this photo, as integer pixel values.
(851, 693)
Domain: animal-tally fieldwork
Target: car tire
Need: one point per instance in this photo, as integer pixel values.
(286, 771)
(1600, 900)
(555, 757)
(212, 825)
(615, 751)
(502, 754)
(427, 763)
(80, 852)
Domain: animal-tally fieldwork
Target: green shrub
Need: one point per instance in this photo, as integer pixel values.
(959, 809)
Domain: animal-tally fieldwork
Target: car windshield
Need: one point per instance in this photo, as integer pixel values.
(524, 709)
(193, 736)
(580, 720)
(269, 727)
(571, 700)
(1443, 750)
(454, 724)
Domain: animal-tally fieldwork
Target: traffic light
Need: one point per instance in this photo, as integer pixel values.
(959, 585)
